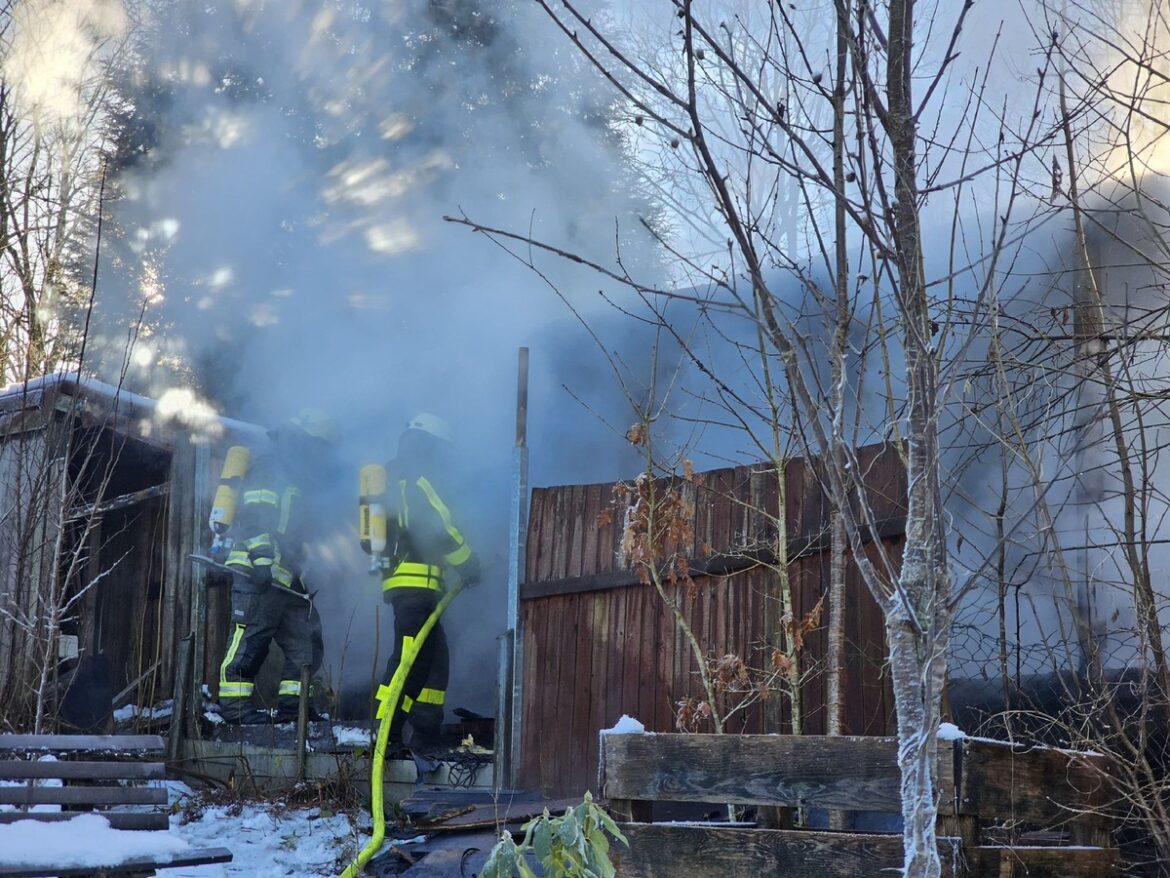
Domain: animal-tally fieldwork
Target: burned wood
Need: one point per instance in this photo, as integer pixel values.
(83, 512)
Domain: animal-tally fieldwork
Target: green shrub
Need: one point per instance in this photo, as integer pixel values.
(575, 845)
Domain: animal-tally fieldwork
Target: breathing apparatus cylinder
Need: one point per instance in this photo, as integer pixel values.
(223, 507)
(372, 514)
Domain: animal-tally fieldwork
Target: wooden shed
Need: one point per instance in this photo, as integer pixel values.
(597, 643)
(103, 495)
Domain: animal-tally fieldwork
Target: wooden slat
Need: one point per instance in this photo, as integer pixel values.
(681, 851)
(589, 555)
(136, 865)
(1041, 862)
(83, 795)
(1037, 786)
(86, 743)
(136, 820)
(21, 769)
(550, 584)
(844, 772)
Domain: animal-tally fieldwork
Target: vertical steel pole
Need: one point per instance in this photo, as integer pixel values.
(511, 682)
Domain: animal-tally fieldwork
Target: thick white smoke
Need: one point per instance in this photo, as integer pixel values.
(281, 211)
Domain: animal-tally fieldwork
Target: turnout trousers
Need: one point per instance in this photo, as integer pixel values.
(259, 616)
(425, 690)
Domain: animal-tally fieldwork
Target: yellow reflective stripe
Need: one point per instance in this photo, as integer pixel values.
(286, 502)
(238, 558)
(411, 574)
(260, 495)
(432, 696)
(282, 575)
(260, 542)
(445, 514)
(289, 687)
(230, 655)
(407, 703)
(459, 556)
(235, 690)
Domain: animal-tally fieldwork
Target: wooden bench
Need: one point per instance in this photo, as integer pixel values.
(104, 774)
(1004, 809)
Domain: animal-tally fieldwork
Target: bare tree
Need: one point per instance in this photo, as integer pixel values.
(903, 128)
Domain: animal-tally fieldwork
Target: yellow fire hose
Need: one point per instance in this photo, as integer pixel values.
(377, 812)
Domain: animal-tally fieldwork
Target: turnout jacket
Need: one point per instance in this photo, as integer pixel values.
(272, 527)
(427, 539)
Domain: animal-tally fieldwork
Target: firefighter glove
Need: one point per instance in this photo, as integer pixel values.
(469, 571)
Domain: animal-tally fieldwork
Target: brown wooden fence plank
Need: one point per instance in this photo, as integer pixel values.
(535, 640)
(653, 664)
(670, 652)
(680, 851)
(83, 795)
(1041, 862)
(83, 743)
(574, 518)
(583, 680)
(1040, 786)
(590, 562)
(602, 654)
(69, 770)
(533, 537)
(612, 704)
(551, 684)
(841, 772)
(136, 820)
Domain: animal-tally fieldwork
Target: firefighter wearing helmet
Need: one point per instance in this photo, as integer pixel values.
(270, 598)
(415, 552)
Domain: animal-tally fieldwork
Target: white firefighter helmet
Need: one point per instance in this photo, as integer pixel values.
(433, 425)
(315, 423)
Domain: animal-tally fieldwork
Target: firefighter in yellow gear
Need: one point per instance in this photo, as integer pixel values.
(270, 599)
(425, 548)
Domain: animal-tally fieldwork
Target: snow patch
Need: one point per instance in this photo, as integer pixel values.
(352, 736)
(627, 725)
(950, 732)
(87, 840)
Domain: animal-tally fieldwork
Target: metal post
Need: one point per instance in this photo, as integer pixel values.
(508, 758)
(198, 581)
(303, 723)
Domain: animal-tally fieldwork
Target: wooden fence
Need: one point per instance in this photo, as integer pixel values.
(599, 644)
(1003, 809)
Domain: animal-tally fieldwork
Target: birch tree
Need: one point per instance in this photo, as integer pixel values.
(871, 121)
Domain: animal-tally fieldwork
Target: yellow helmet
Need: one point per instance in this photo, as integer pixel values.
(435, 426)
(315, 423)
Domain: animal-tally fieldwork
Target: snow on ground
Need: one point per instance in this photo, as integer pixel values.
(265, 843)
(86, 840)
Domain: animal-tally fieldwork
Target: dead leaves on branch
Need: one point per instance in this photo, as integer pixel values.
(658, 530)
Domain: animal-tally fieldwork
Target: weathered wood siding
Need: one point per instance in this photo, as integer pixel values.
(598, 644)
(31, 494)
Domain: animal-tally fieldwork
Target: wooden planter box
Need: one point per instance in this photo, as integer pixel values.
(1004, 809)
